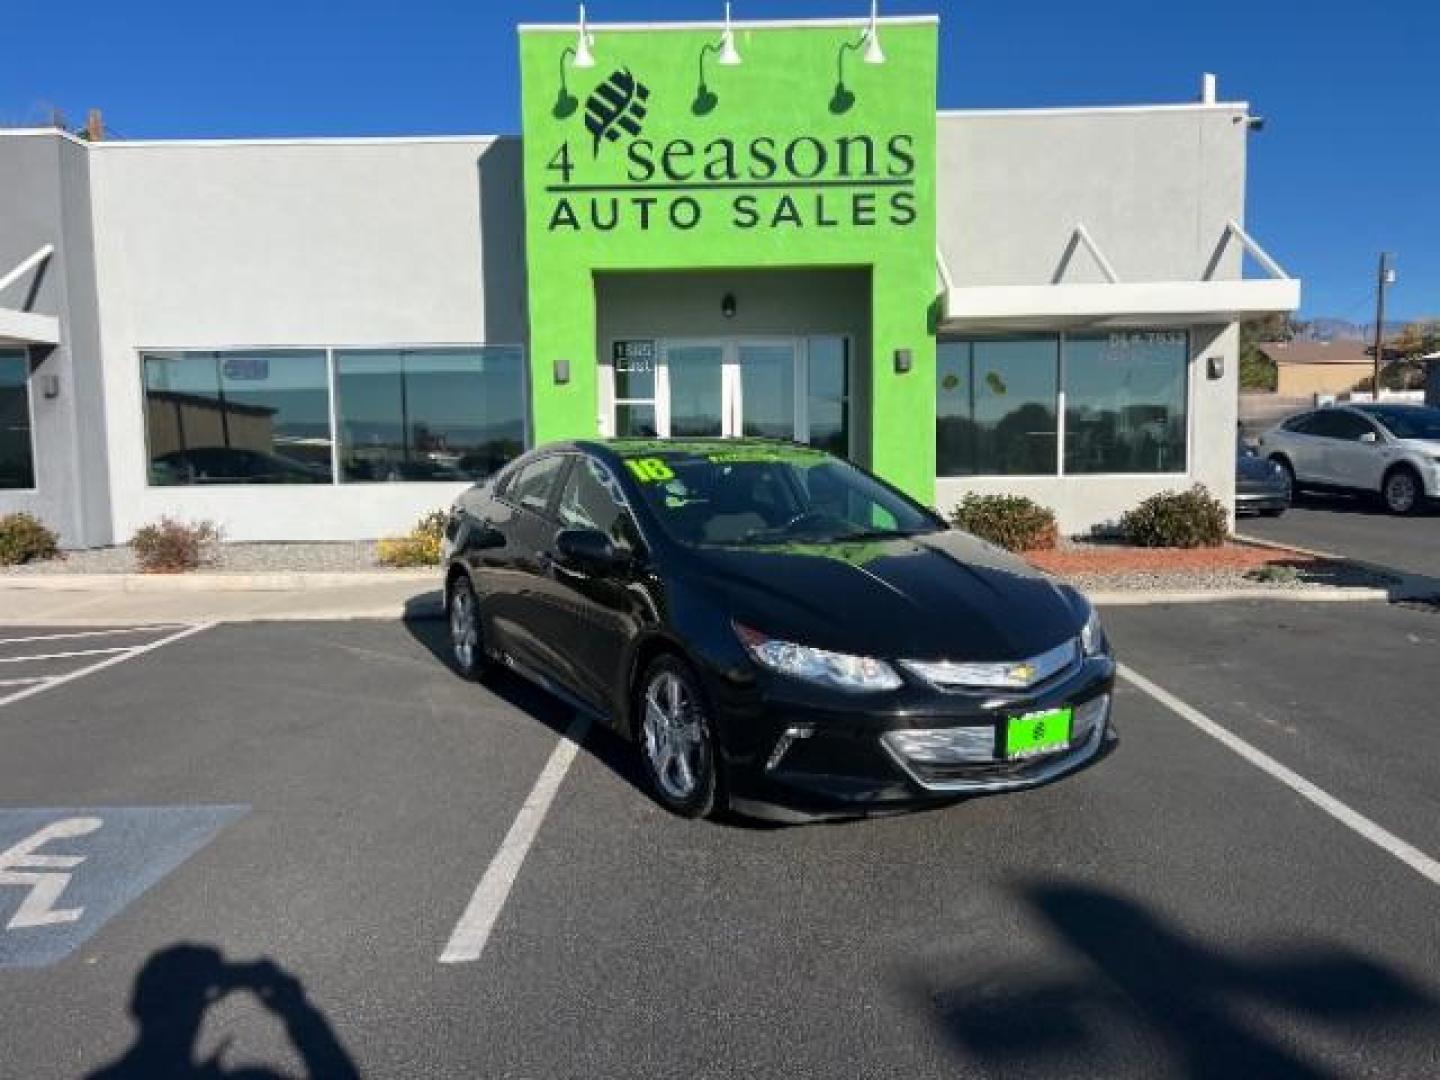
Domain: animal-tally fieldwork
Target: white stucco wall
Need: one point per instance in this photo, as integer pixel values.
(333, 243)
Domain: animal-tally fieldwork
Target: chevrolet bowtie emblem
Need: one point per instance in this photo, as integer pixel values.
(1022, 673)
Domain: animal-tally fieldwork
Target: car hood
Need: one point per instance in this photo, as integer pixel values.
(933, 596)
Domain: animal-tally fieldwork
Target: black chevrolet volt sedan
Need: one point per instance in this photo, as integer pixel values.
(778, 631)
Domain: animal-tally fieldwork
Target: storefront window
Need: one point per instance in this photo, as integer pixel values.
(1125, 402)
(429, 414)
(17, 466)
(996, 407)
(238, 417)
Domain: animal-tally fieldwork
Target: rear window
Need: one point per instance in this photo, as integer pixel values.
(752, 496)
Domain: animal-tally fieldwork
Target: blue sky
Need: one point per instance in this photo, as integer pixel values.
(1348, 163)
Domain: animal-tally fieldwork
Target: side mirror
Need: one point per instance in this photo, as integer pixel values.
(484, 538)
(588, 549)
(1370, 437)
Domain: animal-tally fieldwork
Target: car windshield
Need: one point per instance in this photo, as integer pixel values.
(1414, 422)
(717, 496)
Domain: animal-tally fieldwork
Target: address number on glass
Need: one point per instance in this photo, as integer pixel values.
(1137, 339)
(633, 356)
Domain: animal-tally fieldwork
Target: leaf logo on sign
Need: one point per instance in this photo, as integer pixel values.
(616, 105)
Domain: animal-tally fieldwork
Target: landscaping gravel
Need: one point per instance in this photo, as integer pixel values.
(229, 558)
(1319, 576)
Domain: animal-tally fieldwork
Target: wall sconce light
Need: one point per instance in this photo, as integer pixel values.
(50, 386)
(727, 305)
(581, 56)
(562, 372)
(904, 360)
(1215, 367)
(869, 40)
(705, 98)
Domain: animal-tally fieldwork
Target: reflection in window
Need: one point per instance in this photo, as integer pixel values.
(237, 417)
(429, 414)
(1125, 402)
(995, 403)
(17, 467)
(829, 394)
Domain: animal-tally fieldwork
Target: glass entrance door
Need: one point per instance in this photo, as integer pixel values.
(767, 388)
(696, 382)
(777, 388)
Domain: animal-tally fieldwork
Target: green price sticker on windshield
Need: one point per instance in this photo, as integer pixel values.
(650, 470)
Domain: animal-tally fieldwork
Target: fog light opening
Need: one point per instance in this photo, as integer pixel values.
(787, 740)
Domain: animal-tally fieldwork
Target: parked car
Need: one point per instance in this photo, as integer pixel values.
(233, 465)
(1391, 451)
(1262, 486)
(777, 630)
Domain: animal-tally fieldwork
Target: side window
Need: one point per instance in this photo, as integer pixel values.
(1300, 424)
(1352, 427)
(589, 502)
(534, 484)
(1337, 424)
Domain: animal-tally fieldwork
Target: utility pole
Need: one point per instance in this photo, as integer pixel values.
(1385, 278)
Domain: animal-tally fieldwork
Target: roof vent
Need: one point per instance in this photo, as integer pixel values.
(1207, 89)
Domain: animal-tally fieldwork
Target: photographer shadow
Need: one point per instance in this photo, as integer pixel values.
(178, 986)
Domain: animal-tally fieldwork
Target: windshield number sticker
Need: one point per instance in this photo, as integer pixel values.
(650, 470)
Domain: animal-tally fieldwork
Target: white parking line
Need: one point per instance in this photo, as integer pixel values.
(93, 633)
(467, 940)
(65, 655)
(1407, 853)
(109, 661)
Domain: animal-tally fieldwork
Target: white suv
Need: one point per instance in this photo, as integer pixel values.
(1392, 451)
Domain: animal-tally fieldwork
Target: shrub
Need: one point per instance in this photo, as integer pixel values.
(1010, 521)
(420, 547)
(23, 538)
(171, 547)
(1185, 519)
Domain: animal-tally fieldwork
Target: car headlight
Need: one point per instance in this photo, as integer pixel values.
(1092, 637)
(840, 671)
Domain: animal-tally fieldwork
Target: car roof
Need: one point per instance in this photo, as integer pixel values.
(627, 447)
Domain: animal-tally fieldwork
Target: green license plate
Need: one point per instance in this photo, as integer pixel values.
(1038, 733)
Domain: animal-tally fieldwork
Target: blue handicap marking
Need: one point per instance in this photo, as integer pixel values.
(65, 872)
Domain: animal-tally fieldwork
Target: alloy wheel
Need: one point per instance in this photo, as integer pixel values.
(464, 627)
(672, 736)
(1401, 492)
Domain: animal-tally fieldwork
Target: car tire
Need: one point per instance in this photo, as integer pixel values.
(467, 635)
(1402, 491)
(1271, 513)
(676, 739)
(1290, 481)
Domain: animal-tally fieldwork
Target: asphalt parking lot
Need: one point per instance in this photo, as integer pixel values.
(250, 846)
(1357, 528)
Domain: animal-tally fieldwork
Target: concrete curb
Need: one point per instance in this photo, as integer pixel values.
(278, 581)
(1325, 595)
(1408, 585)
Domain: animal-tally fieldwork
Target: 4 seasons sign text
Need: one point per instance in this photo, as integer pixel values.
(617, 178)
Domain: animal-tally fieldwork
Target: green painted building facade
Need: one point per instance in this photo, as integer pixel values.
(661, 160)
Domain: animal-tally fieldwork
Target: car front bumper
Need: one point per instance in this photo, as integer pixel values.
(1255, 496)
(789, 758)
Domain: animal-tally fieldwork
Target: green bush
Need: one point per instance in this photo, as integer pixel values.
(420, 547)
(1184, 519)
(1009, 521)
(172, 547)
(23, 538)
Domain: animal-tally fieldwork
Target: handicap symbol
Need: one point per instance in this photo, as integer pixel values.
(44, 875)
